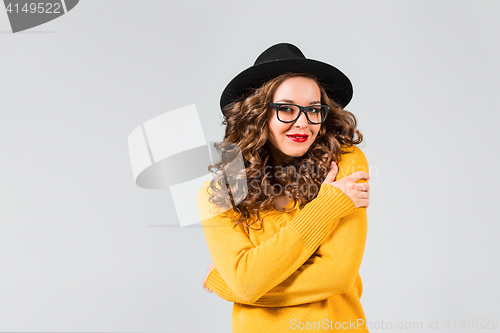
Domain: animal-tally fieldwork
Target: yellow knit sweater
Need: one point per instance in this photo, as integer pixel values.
(295, 271)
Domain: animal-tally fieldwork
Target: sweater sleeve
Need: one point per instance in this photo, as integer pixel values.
(251, 271)
(332, 269)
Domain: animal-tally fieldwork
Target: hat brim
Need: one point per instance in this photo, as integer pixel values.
(337, 84)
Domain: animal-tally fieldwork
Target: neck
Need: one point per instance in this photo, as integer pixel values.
(278, 156)
(276, 180)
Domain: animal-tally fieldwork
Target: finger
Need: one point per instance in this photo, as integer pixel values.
(358, 175)
(205, 287)
(364, 203)
(363, 195)
(332, 174)
(330, 177)
(365, 187)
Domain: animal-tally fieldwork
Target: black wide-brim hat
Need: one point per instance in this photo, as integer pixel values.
(282, 58)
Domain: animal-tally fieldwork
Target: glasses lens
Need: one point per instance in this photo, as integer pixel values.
(317, 114)
(287, 112)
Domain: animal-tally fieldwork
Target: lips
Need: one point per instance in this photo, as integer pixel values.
(298, 137)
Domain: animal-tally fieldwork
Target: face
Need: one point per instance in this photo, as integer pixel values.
(298, 90)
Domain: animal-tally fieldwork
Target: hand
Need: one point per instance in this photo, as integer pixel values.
(357, 192)
(210, 267)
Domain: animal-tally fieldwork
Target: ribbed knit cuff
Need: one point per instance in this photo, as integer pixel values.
(313, 221)
(219, 286)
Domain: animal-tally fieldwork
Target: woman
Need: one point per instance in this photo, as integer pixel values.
(288, 264)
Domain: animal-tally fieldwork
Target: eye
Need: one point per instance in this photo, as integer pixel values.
(315, 109)
(285, 108)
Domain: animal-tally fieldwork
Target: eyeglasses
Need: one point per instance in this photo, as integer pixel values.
(288, 113)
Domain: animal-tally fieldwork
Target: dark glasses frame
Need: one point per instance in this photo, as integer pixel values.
(304, 109)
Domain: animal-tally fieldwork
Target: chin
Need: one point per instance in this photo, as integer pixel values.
(297, 154)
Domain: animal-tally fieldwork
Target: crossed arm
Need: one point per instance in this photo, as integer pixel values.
(331, 270)
(317, 255)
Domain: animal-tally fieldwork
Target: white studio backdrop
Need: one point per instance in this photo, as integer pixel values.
(83, 248)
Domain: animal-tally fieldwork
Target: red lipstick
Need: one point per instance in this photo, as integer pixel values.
(298, 137)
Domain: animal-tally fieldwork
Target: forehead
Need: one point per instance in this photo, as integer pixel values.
(298, 88)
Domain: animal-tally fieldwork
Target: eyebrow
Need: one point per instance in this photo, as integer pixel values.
(292, 102)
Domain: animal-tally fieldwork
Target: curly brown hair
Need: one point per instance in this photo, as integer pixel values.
(247, 129)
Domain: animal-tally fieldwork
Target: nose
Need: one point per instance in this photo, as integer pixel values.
(302, 120)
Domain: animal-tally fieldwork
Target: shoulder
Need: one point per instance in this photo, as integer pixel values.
(203, 193)
(352, 160)
(204, 189)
